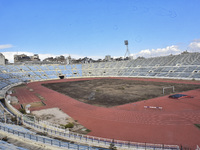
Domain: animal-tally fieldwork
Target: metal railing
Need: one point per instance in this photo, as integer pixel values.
(46, 140)
(97, 141)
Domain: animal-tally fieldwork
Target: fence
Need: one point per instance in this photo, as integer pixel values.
(97, 141)
(46, 141)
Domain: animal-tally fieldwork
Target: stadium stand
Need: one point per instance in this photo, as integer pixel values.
(183, 66)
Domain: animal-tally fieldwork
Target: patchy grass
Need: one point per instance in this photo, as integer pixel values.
(69, 125)
(88, 130)
(114, 92)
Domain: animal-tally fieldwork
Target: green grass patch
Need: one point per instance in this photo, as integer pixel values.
(88, 130)
(69, 125)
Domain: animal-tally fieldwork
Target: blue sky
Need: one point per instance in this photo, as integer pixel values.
(95, 28)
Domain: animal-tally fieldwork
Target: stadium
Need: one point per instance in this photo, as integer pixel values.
(153, 122)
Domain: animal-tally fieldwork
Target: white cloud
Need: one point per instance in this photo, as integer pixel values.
(194, 46)
(173, 49)
(5, 46)
(158, 52)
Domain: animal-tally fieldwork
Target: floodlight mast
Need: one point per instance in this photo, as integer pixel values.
(127, 54)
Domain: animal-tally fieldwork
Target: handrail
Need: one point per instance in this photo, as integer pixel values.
(46, 140)
(92, 140)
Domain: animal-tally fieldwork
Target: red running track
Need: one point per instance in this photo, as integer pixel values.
(174, 124)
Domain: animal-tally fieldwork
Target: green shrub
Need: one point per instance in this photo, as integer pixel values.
(121, 88)
(22, 111)
(112, 146)
(88, 130)
(69, 125)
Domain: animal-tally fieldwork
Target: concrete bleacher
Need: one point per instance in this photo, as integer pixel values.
(3, 84)
(7, 146)
(16, 128)
(166, 66)
(183, 66)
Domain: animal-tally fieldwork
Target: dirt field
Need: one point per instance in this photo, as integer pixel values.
(113, 92)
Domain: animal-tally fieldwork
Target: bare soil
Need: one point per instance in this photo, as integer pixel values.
(113, 92)
(52, 115)
(57, 116)
(33, 104)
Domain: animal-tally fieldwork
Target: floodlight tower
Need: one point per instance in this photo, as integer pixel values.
(127, 54)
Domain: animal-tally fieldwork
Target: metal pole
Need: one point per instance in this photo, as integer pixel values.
(4, 116)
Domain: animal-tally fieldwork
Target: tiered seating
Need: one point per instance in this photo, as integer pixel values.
(173, 66)
(4, 76)
(7, 146)
(69, 72)
(191, 68)
(178, 59)
(33, 68)
(24, 68)
(16, 128)
(196, 58)
(165, 66)
(3, 84)
(3, 69)
(79, 69)
(12, 81)
(11, 68)
(195, 76)
(43, 67)
(138, 62)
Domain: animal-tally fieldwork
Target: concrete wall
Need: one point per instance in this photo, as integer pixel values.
(2, 59)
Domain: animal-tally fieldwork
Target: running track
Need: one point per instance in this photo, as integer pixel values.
(174, 124)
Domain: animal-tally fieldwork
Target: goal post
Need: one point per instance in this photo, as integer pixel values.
(169, 87)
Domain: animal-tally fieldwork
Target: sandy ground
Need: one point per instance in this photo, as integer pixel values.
(53, 115)
(58, 117)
